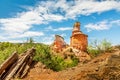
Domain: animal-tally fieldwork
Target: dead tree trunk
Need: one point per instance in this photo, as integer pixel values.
(12, 59)
(21, 64)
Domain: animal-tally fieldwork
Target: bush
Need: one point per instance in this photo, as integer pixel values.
(58, 63)
(96, 47)
(92, 51)
(106, 46)
(54, 62)
(43, 54)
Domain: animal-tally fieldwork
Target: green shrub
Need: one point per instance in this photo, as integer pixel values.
(106, 46)
(97, 47)
(6, 49)
(54, 62)
(43, 54)
(92, 51)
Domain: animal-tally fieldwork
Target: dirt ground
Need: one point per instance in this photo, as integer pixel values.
(103, 67)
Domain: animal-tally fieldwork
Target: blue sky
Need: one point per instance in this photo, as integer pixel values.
(42, 19)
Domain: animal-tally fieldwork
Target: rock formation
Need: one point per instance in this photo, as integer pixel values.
(78, 40)
(59, 43)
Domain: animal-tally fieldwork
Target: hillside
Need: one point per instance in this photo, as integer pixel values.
(104, 67)
(48, 66)
(42, 54)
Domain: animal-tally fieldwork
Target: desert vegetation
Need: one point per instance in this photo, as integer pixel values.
(99, 50)
(97, 47)
(43, 54)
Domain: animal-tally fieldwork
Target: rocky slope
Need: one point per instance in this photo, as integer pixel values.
(103, 67)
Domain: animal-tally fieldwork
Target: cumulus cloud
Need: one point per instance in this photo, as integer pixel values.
(103, 25)
(48, 39)
(116, 22)
(87, 7)
(45, 12)
(27, 34)
(50, 28)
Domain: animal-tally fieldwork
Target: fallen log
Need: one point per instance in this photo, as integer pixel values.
(27, 67)
(22, 71)
(8, 62)
(22, 60)
(19, 72)
(8, 71)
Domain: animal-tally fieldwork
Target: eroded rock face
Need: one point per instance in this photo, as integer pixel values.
(81, 55)
(105, 67)
(78, 40)
(84, 57)
(59, 43)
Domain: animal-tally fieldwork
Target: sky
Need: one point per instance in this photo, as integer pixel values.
(42, 19)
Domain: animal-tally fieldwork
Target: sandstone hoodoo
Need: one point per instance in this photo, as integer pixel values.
(59, 43)
(78, 44)
(78, 40)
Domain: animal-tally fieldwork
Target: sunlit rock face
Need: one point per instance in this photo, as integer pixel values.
(78, 40)
(59, 43)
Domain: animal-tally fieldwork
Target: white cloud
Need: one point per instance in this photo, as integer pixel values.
(28, 34)
(63, 29)
(2, 38)
(103, 25)
(97, 26)
(58, 29)
(48, 39)
(87, 7)
(117, 22)
(59, 10)
(47, 11)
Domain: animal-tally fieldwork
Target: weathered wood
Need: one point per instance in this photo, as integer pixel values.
(27, 67)
(8, 71)
(19, 72)
(20, 62)
(8, 62)
(22, 68)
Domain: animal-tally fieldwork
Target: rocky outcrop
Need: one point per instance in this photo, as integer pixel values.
(103, 67)
(58, 44)
(81, 55)
(78, 40)
(84, 57)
